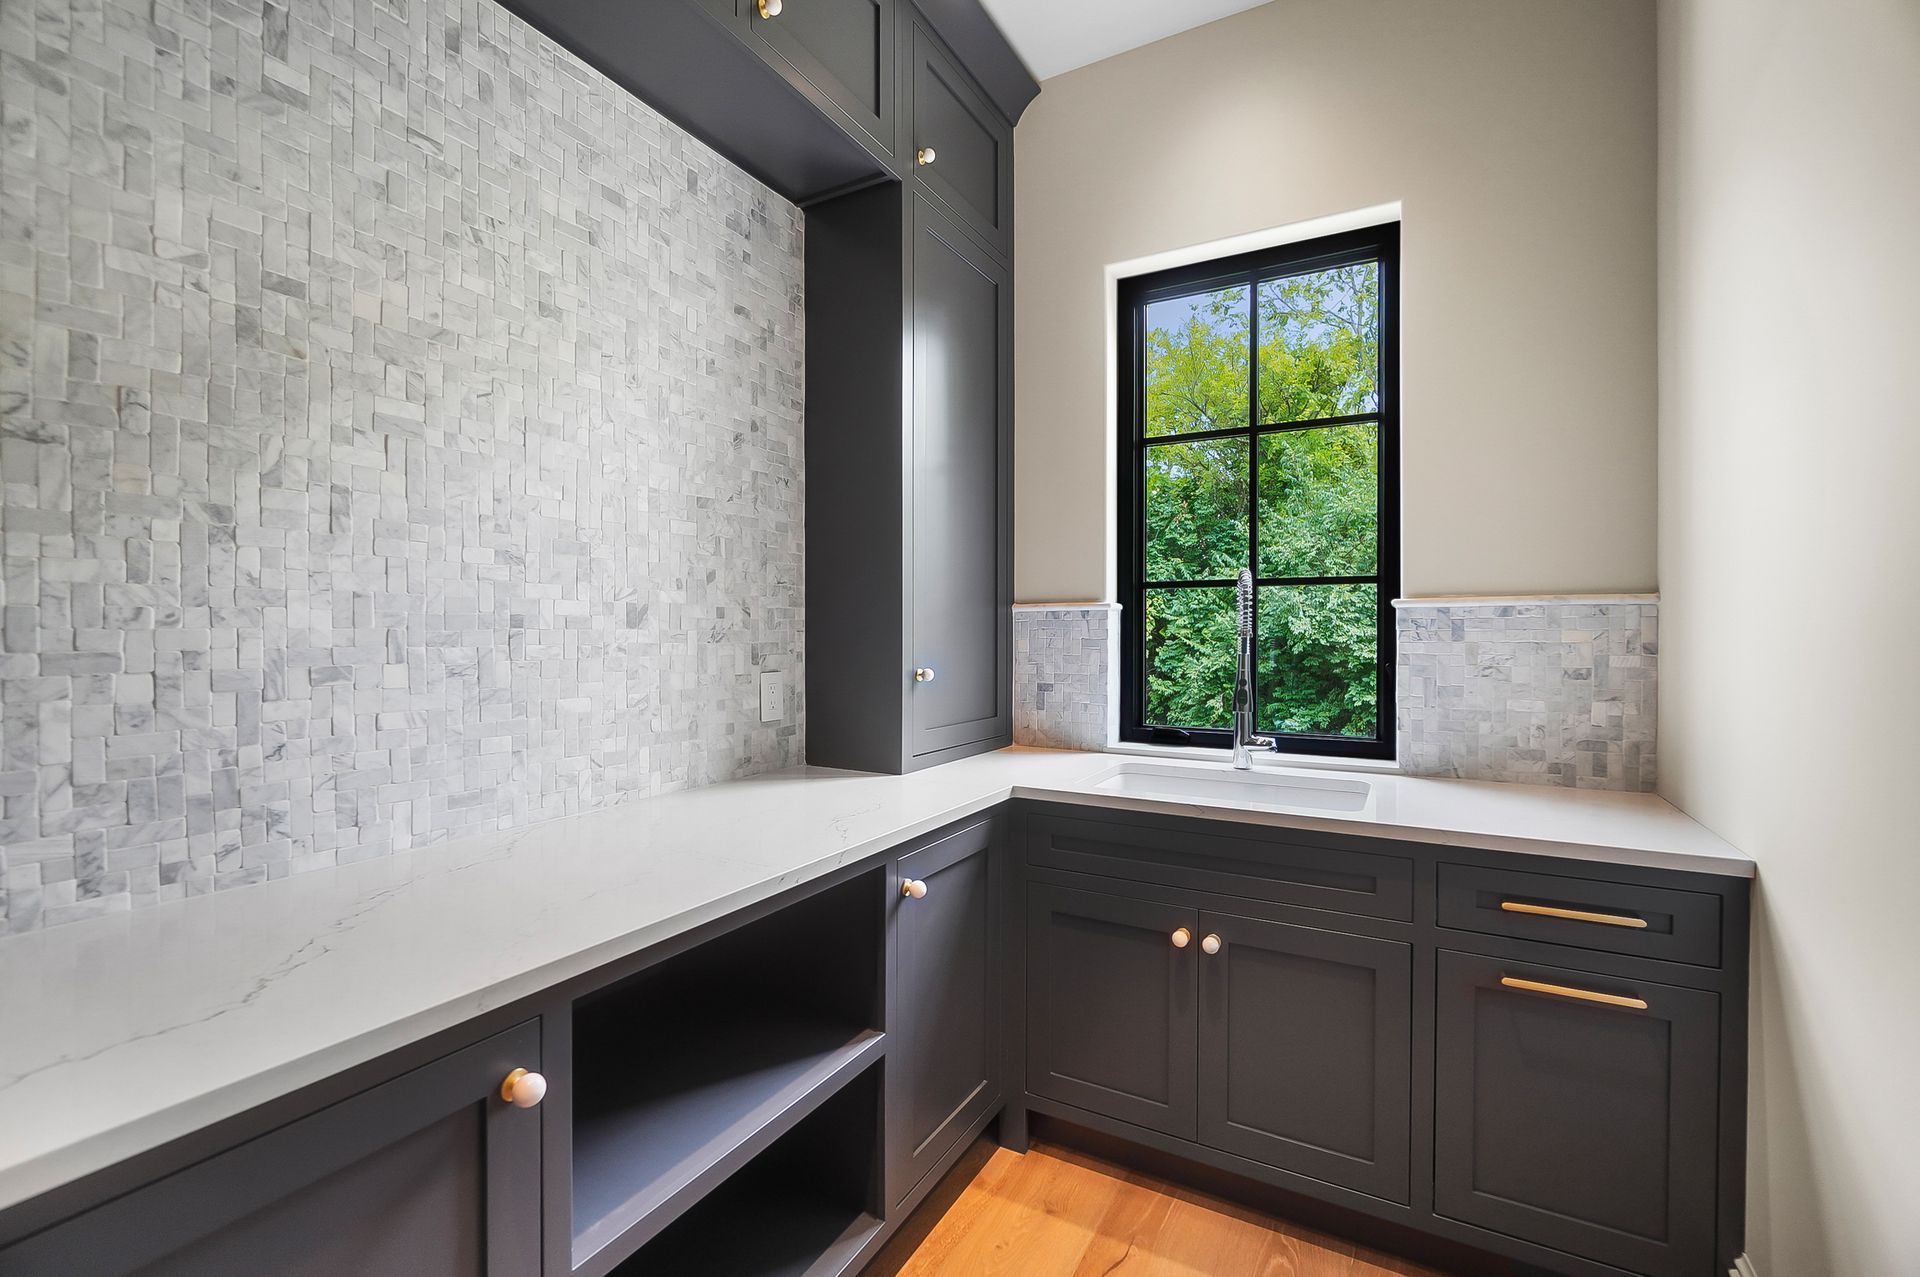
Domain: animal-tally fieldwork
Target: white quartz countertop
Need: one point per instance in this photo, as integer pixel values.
(123, 1032)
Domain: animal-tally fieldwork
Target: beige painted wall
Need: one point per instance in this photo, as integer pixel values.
(1518, 136)
(1790, 571)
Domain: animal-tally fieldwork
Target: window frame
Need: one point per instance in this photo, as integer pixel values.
(1370, 244)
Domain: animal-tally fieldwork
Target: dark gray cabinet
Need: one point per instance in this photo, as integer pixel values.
(1529, 1057)
(944, 1074)
(1306, 1051)
(1287, 1045)
(808, 100)
(961, 150)
(430, 1174)
(961, 376)
(843, 49)
(909, 487)
(1578, 1111)
(1110, 1012)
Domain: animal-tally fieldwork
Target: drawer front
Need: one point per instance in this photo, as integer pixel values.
(1294, 871)
(969, 169)
(1583, 913)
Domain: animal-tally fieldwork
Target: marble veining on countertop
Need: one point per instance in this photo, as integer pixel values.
(120, 1033)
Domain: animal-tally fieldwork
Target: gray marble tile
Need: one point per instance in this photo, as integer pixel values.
(1062, 675)
(400, 436)
(1553, 693)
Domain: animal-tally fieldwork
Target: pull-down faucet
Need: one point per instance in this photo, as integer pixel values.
(1243, 733)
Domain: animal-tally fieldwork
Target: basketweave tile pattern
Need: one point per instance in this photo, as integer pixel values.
(400, 429)
(1061, 684)
(1547, 693)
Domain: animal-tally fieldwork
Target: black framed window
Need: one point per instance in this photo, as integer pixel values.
(1259, 428)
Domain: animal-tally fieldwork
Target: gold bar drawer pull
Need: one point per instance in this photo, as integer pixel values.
(1576, 915)
(1567, 991)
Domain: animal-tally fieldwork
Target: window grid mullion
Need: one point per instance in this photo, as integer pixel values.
(1260, 428)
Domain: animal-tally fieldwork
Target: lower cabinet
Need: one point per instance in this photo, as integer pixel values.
(1578, 1111)
(1285, 1044)
(1534, 1059)
(944, 1070)
(1111, 1007)
(1305, 1051)
(430, 1174)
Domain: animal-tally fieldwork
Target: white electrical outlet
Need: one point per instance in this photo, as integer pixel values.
(773, 696)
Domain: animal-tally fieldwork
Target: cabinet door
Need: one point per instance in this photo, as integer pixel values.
(430, 1174)
(961, 149)
(1306, 1052)
(944, 1062)
(1581, 1125)
(1110, 1005)
(844, 49)
(962, 326)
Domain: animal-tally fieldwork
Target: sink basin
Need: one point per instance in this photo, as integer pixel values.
(1224, 787)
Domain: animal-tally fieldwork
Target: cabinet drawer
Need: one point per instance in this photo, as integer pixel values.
(969, 169)
(1647, 922)
(1250, 867)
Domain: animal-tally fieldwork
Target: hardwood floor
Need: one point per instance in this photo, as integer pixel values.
(1060, 1213)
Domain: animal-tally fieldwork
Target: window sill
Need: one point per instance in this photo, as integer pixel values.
(1205, 754)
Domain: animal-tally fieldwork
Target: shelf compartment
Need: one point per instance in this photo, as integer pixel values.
(805, 1207)
(688, 1069)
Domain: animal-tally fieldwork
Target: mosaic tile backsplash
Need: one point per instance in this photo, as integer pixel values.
(1556, 693)
(1546, 691)
(1061, 674)
(400, 432)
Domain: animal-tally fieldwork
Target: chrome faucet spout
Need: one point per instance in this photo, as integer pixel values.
(1244, 737)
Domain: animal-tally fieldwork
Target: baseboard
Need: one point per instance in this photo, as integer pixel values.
(1743, 1267)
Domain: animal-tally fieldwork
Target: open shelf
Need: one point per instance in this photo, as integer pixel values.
(690, 1068)
(803, 1208)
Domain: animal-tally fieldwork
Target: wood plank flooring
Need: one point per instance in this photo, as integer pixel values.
(1059, 1213)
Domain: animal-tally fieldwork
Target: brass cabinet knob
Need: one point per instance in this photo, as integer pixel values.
(913, 888)
(523, 1089)
(924, 156)
(923, 675)
(768, 8)
(1182, 938)
(1210, 945)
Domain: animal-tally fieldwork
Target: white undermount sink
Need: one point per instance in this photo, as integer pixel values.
(1224, 787)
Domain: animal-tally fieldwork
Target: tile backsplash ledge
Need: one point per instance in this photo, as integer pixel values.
(400, 428)
(1549, 689)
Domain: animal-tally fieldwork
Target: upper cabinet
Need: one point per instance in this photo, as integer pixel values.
(842, 49)
(910, 440)
(962, 448)
(962, 151)
(804, 94)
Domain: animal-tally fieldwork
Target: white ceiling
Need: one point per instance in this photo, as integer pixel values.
(1058, 35)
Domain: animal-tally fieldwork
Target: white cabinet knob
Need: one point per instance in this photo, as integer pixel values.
(768, 8)
(1182, 938)
(923, 675)
(913, 889)
(523, 1089)
(924, 156)
(1210, 945)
